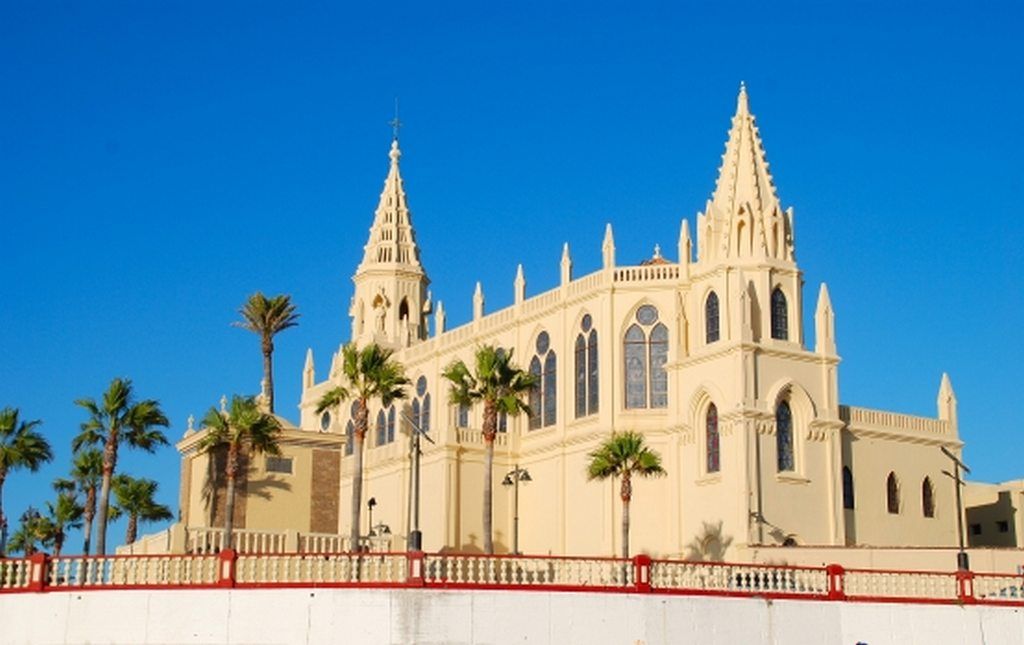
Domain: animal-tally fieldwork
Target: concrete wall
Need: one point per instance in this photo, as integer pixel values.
(381, 616)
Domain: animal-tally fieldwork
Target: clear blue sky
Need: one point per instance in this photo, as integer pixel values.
(161, 160)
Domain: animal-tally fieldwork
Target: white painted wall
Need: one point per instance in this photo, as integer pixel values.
(404, 616)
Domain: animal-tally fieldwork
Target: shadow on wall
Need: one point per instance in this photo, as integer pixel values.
(992, 524)
(709, 545)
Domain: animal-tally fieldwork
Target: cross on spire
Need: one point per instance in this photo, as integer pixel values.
(395, 124)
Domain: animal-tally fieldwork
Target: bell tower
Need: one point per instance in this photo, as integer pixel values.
(391, 302)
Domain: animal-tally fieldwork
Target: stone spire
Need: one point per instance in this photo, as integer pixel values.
(478, 302)
(519, 286)
(824, 324)
(947, 402)
(392, 239)
(308, 371)
(391, 303)
(608, 248)
(566, 265)
(744, 216)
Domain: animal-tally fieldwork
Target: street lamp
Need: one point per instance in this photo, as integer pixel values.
(962, 561)
(370, 505)
(512, 479)
(415, 535)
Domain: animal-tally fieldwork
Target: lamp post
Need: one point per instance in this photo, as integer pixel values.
(370, 505)
(415, 535)
(512, 479)
(962, 561)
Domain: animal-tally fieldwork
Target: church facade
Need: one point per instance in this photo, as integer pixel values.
(705, 355)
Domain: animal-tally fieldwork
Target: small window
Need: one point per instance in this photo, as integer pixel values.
(281, 465)
(1003, 526)
(780, 315)
(848, 501)
(350, 433)
(927, 498)
(713, 444)
(892, 494)
(463, 417)
(975, 529)
(784, 438)
(325, 421)
(711, 317)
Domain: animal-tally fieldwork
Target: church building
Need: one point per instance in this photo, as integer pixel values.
(705, 354)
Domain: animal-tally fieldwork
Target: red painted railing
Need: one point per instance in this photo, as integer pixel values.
(641, 574)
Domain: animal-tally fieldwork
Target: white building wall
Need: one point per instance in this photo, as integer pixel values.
(381, 616)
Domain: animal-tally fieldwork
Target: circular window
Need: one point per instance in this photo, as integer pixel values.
(587, 322)
(647, 315)
(325, 421)
(421, 386)
(543, 343)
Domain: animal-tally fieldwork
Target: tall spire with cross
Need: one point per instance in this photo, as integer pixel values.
(391, 299)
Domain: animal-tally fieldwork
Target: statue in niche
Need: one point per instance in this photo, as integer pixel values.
(380, 309)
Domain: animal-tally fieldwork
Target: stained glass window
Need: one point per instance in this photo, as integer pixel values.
(848, 500)
(502, 421)
(425, 413)
(463, 416)
(711, 317)
(784, 437)
(927, 498)
(550, 389)
(543, 342)
(592, 391)
(391, 423)
(416, 412)
(713, 444)
(350, 431)
(780, 315)
(581, 377)
(659, 354)
(646, 315)
(535, 394)
(382, 429)
(421, 386)
(636, 367)
(892, 494)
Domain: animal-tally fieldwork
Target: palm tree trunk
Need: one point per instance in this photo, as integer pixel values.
(88, 514)
(3, 523)
(357, 472)
(490, 430)
(268, 372)
(58, 544)
(133, 529)
(626, 494)
(229, 505)
(109, 462)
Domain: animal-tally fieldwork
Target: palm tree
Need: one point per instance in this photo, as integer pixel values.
(118, 419)
(134, 498)
(266, 317)
(370, 373)
(31, 530)
(500, 385)
(86, 478)
(624, 455)
(20, 447)
(243, 430)
(65, 514)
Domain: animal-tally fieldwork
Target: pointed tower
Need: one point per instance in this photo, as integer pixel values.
(744, 218)
(391, 304)
(947, 402)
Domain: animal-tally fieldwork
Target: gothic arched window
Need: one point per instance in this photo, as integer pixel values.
(421, 405)
(586, 369)
(382, 429)
(645, 350)
(784, 437)
(927, 497)
(350, 432)
(711, 317)
(892, 493)
(712, 440)
(780, 315)
(848, 500)
(544, 395)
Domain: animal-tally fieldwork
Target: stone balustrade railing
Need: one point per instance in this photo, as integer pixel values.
(892, 420)
(641, 574)
(199, 540)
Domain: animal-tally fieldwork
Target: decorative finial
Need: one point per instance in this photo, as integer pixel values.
(223, 403)
(395, 124)
(657, 251)
(191, 422)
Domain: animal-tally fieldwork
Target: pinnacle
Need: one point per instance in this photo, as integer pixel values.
(744, 177)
